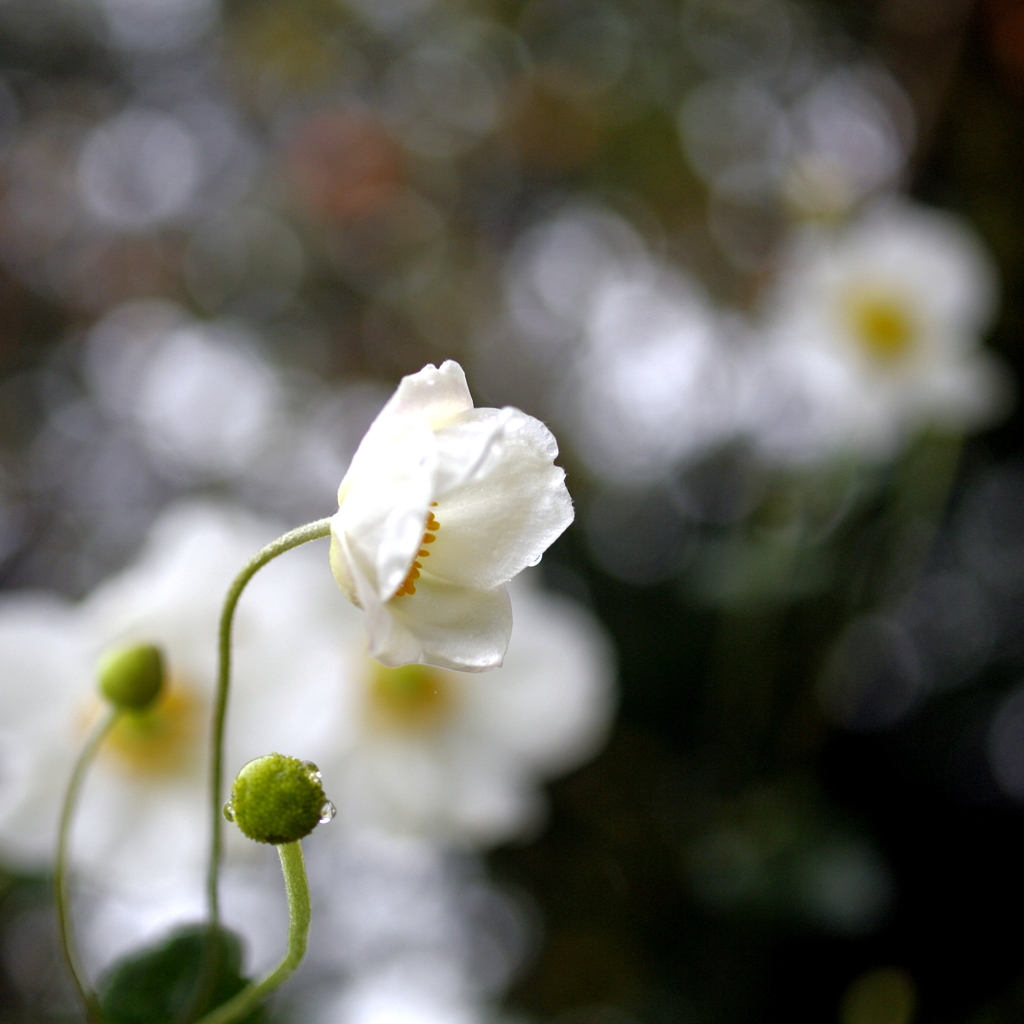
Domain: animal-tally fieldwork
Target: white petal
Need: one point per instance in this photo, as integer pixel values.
(552, 701)
(435, 393)
(442, 624)
(340, 567)
(503, 515)
(379, 525)
(471, 445)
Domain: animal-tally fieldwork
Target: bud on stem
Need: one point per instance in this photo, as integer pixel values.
(131, 677)
(278, 799)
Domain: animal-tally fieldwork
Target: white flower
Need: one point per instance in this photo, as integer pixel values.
(413, 933)
(415, 750)
(628, 357)
(442, 505)
(654, 383)
(874, 333)
(141, 830)
(457, 757)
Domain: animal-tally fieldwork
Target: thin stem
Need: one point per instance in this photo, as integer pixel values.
(311, 531)
(294, 870)
(67, 933)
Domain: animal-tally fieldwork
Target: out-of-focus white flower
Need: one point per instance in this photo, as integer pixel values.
(655, 379)
(626, 356)
(874, 333)
(140, 832)
(417, 750)
(558, 268)
(457, 757)
(151, 26)
(413, 933)
(442, 505)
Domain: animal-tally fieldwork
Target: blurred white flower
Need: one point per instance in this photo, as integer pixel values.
(201, 404)
(475, 491)
(416, 934)
(140, 833)
(873, 333)
(458, 757)
(626, 354)
(556, 270)
(655, 380)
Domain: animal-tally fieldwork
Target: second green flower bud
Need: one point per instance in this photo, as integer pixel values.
(131, 677)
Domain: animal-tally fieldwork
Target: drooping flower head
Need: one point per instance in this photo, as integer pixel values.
(442, 505)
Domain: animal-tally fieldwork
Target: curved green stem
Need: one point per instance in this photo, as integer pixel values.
(294, 870)
(311, 531)
(67, 934)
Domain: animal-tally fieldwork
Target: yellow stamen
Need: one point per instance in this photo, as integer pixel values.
(408, 585)
(882, 324)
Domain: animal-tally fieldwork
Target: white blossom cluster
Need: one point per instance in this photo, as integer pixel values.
(867, 332)
(425, 763)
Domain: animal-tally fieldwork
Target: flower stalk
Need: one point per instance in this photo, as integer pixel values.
(297, 888)
(67, 936)
(292, 539)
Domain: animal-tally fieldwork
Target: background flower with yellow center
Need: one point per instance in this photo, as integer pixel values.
(873, 333)
(459, 758)
(882, 323)
(411, 697)
(139, 836)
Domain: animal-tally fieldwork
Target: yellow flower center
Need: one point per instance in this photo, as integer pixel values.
(429, 536)
(162, 740)
(882, 325)
(410, 698)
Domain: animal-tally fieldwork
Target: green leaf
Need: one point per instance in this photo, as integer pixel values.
(160, 985)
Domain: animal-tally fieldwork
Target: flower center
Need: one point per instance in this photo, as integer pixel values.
(882, 326)
(411, 697)
(161, 740)
(429, 536)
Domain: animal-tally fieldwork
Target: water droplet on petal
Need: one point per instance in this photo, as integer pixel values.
(327, 812)
(229, 811)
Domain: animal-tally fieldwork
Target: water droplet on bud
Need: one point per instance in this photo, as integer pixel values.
(327, 812)
(229, 811)
(314, 772)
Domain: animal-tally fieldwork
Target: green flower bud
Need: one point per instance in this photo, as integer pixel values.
(278, 799)
(131, 677)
